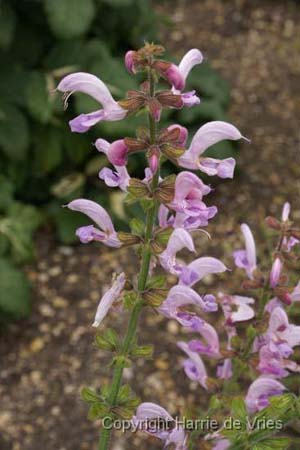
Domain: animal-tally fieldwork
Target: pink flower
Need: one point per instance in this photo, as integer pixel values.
(275, 273)
(207, 135)
(189, 191)
(99, 215)
(93, 86)
(193, 366)
(260, 391)
(108, 299)
(156, 421)
(178, 240)
(246, 259)
(178, 74)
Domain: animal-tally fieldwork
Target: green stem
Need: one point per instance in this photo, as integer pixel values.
(142, 280)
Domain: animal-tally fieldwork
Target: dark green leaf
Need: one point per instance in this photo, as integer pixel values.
(14, 291)
(69, 18)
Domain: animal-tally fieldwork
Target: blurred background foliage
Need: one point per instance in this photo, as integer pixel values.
(43, 165)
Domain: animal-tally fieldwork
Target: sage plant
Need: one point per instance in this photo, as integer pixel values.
(258, 354)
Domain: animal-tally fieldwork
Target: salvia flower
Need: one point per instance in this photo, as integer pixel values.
(236, 308)
(116, 152)
(93, 86)
(117, 178)
(211, 347)
(189, 191)
(193, 366)
(260, 391)
(208, 135)
(181, 296)
(99, 215)
(178, 240)
(199, 268)
(177, 76)
(108, 299)
(156, 421)
(246, 259)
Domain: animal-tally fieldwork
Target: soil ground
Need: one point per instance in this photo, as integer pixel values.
(46, 359)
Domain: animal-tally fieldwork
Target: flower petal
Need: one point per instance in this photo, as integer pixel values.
(108, 299)
(95, 212)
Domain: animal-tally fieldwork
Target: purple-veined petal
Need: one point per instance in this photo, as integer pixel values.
(108, 299)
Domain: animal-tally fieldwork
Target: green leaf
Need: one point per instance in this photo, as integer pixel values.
(14, 144)
(47, 149)
(69, 18)
(137, 227)
(14, 291)
(6, 193)
(278, 443)
(38, 99)
(7, 26)
(157, 281)
(97, 411)
(90, 395)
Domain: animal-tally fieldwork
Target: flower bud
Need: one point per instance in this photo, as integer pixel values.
(129, 61)
(275, 272)
(182, 133)
(174, 76)
(273, 223)
(118, 152)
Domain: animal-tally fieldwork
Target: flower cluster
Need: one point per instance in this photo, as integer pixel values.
(175, 208)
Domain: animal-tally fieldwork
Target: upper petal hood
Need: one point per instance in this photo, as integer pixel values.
(94, 211)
